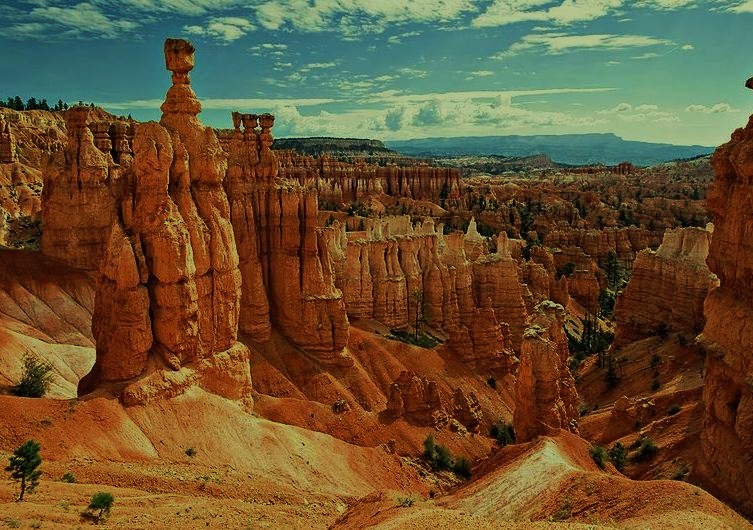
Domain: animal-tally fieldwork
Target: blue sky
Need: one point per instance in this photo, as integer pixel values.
(653, 70)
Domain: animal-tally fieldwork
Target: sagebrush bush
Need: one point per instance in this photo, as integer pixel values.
(618, 456)
(503, 432)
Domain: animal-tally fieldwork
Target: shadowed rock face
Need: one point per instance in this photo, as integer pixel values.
(667, 287)
(727, 436)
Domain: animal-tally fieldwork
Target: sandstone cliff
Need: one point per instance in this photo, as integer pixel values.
(667, 288)
(727, 436)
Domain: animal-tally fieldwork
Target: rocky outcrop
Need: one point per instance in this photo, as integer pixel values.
(288, 273)
(727, 435)
(624, 242)
(667, 288)
(7, 144)
(546, 397)
(466, 409)
(168, 299)
(416, 399)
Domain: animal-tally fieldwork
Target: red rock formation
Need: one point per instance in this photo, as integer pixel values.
(466, 409)
(169, 293)
(597, 244)
(7, 144)
(416, 399)
(288, 273)
(727, 436)
(546, 397)
(667, 287)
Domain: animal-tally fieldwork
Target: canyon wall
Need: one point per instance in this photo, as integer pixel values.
(727, 435)
(667, 288)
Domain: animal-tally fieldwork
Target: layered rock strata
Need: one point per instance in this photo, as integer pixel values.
(546, 397)
(667, 288)
(727, 435)
(168, 299)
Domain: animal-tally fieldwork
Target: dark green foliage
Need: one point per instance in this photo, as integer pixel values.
(35, 380)
(618, 456)
(68, 477)
(646, 449)
(492, 382)
(330, 221)
(599, 455)
(611, 377)
(190, 452)
(422, 339)
(655, 384)
(438, 456)
(103, 502)
(655, 361)
(16, 103)
(503, 432)
(462, 468)
(440, 459)
(592, 341)
(359, 209)
(23, 466)
(673, 409)
(566, 270)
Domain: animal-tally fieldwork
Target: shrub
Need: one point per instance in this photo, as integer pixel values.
(23, 466)
(405, 502)
(68, 477)
(655, 361)
(492, 382)
(646, 450)
(503, 432)
(35, 380)
(190, 452)
(618, 456)
(103, 502)
(462, 468)
(680, 473)
(599, 455)
(673, 409)
(655, 384)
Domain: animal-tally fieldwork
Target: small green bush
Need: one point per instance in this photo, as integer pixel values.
(655, 384)
(190, 452)
(405, 502)
(492, 382)
(680, 473)
(618, 456)
(646, 449)
(35, 380)
(599, 455)
(103, 502)
(673, 409)
(655, 360)
(68, 477)
(462, 468)
(503, 432)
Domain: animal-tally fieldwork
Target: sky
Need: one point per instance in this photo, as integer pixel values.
(651, 70)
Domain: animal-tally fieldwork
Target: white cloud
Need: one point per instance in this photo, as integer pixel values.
(666, 5)
(637, 113)
(221, 104)
(558, 43)
(712, 109)
(480, 73)
(397, 39)
(353, 18)
(741, 7)
(223, 29)
(82, 20)
(269, 49)
(504, 12)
